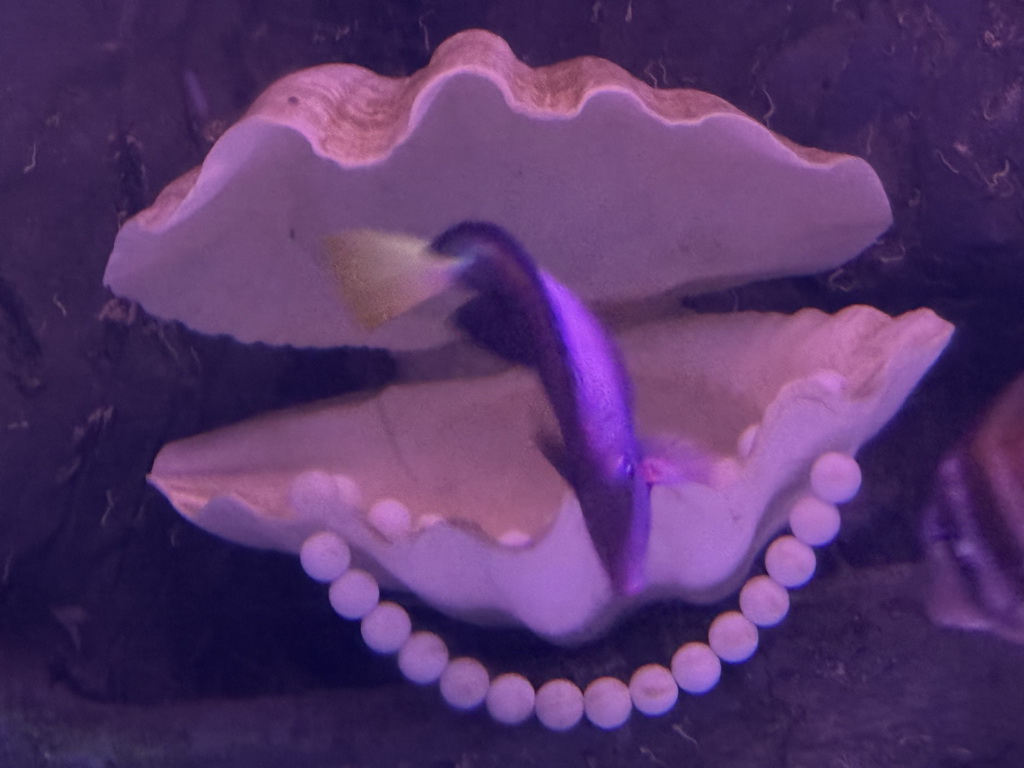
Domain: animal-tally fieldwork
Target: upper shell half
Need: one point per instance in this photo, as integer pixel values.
(621, 189)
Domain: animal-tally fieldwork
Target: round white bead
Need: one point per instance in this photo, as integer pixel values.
(831, 381)
(348, 491)
(429, 520)
(653, 690)
(724, 473)
(386, 628)
(510, 699)
(789, 561)
(317, 496)
(746, 440)
(835, 477)
(314, 494)
(696, 668)
(354, 594)
(391, 518)
(513, 537)
(464, 683)
(559, 704)
(325, 556)
(423, 657)
(732, 637)
(764, 601)
(813, 521)
(606, 703)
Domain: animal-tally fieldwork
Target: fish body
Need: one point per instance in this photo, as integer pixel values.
(974, 526)
(527, 316)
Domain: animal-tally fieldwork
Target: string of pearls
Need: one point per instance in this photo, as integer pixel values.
(606, 702)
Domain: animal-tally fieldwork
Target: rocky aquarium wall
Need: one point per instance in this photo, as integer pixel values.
(704, 449)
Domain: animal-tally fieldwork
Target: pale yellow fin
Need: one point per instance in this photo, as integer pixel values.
(380, 275)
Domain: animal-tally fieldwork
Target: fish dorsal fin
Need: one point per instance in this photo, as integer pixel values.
(381, 275)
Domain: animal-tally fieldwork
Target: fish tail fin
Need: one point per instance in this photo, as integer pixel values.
(381, 275)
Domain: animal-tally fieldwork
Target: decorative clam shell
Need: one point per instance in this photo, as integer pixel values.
(271, 481)
(621, 190)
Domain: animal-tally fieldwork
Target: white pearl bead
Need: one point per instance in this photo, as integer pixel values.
(725, 472)
(653, 690)
(513, 537)
(423, 657)
(510, 699)
(813, 521)
(789, 561)
(354, 594)
(696, 668)
(746, 440)
(606, 703)
(464, 683)
(391, 518)
(559, 705)
(348, 491)
(314, 495)
(325, 556)
(764, 601)
(732, 637)
(386, 628)
(429, 520)
(831, 381)
(835, 477)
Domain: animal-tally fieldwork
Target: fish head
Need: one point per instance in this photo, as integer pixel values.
(616, 503)
(492, 261)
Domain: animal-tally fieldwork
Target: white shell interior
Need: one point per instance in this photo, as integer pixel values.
(815, 384)
(621, 190)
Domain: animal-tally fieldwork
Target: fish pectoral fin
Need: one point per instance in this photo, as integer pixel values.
(668, 460)
(555, 452)
(381, 275)
(497, 327)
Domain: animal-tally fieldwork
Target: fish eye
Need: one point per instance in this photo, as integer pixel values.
(627, 467)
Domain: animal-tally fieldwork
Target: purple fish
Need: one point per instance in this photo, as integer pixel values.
(526, 316)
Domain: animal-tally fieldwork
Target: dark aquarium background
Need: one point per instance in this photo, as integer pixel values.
(130, 638)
